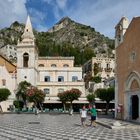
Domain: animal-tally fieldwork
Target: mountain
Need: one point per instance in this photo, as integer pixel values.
(65, 38)
(11, 35)
(66, 30)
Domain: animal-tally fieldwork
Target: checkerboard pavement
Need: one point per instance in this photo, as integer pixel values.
(57, 127)
(109, 122)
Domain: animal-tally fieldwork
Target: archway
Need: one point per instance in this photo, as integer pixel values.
(132, 95)
(25, 59)
(135, 106)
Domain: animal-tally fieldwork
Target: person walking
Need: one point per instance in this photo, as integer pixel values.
(93, 116)
(83, 116)
(36, 111)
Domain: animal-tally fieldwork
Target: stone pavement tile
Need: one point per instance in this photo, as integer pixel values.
(108, 122)
(54, 128)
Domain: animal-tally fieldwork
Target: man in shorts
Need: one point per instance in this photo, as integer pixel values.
(93, 116)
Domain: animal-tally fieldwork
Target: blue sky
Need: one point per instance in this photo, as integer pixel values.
(103, 15)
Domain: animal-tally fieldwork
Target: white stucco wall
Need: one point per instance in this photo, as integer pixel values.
(54, 87)
(10, 84)
(67, 73)
(67, 84)
(27, 74)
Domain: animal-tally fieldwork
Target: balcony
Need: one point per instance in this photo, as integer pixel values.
(65, 83)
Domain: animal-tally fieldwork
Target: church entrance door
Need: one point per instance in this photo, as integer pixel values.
(135, 107)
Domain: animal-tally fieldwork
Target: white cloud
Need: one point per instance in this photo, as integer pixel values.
(37, 19)
(37, 15)
(58, 7)
(61, 4)
(56, 12)
(103, 15)
(12, 10)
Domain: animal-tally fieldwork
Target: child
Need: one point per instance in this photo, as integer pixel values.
(83, 116)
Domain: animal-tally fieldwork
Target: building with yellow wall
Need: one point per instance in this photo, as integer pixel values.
(127, 40)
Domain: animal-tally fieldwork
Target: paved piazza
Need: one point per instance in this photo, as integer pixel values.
(57, 127)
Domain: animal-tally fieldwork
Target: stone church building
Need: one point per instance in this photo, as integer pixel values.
(51, 74)
(127, 92)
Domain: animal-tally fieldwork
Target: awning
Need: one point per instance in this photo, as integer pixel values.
(56, 102)
(52, 101)
(80, 102)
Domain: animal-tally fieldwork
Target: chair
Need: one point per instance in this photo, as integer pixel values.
(47, 110)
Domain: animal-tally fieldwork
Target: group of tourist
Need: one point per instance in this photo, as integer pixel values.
(83, 114)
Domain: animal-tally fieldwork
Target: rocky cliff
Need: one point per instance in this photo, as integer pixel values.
(65, 38)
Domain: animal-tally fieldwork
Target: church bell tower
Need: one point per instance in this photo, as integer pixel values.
(120, 30)
(27, 56)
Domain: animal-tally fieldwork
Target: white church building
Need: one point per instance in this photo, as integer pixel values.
(51, 74)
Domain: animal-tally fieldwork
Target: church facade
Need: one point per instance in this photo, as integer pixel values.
(51, 74)
(127, 92)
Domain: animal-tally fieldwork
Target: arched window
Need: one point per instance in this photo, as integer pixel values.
(53, 65)
(47, 78)
(74, 78)
(41, 65)
(60, 90)
(107, 66)
(46, 90)
(25, 59)
(65, 65)
(60, 79)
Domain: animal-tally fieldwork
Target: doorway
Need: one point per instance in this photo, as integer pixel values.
(135, 107)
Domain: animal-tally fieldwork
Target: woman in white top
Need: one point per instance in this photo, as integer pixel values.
(83, 116)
